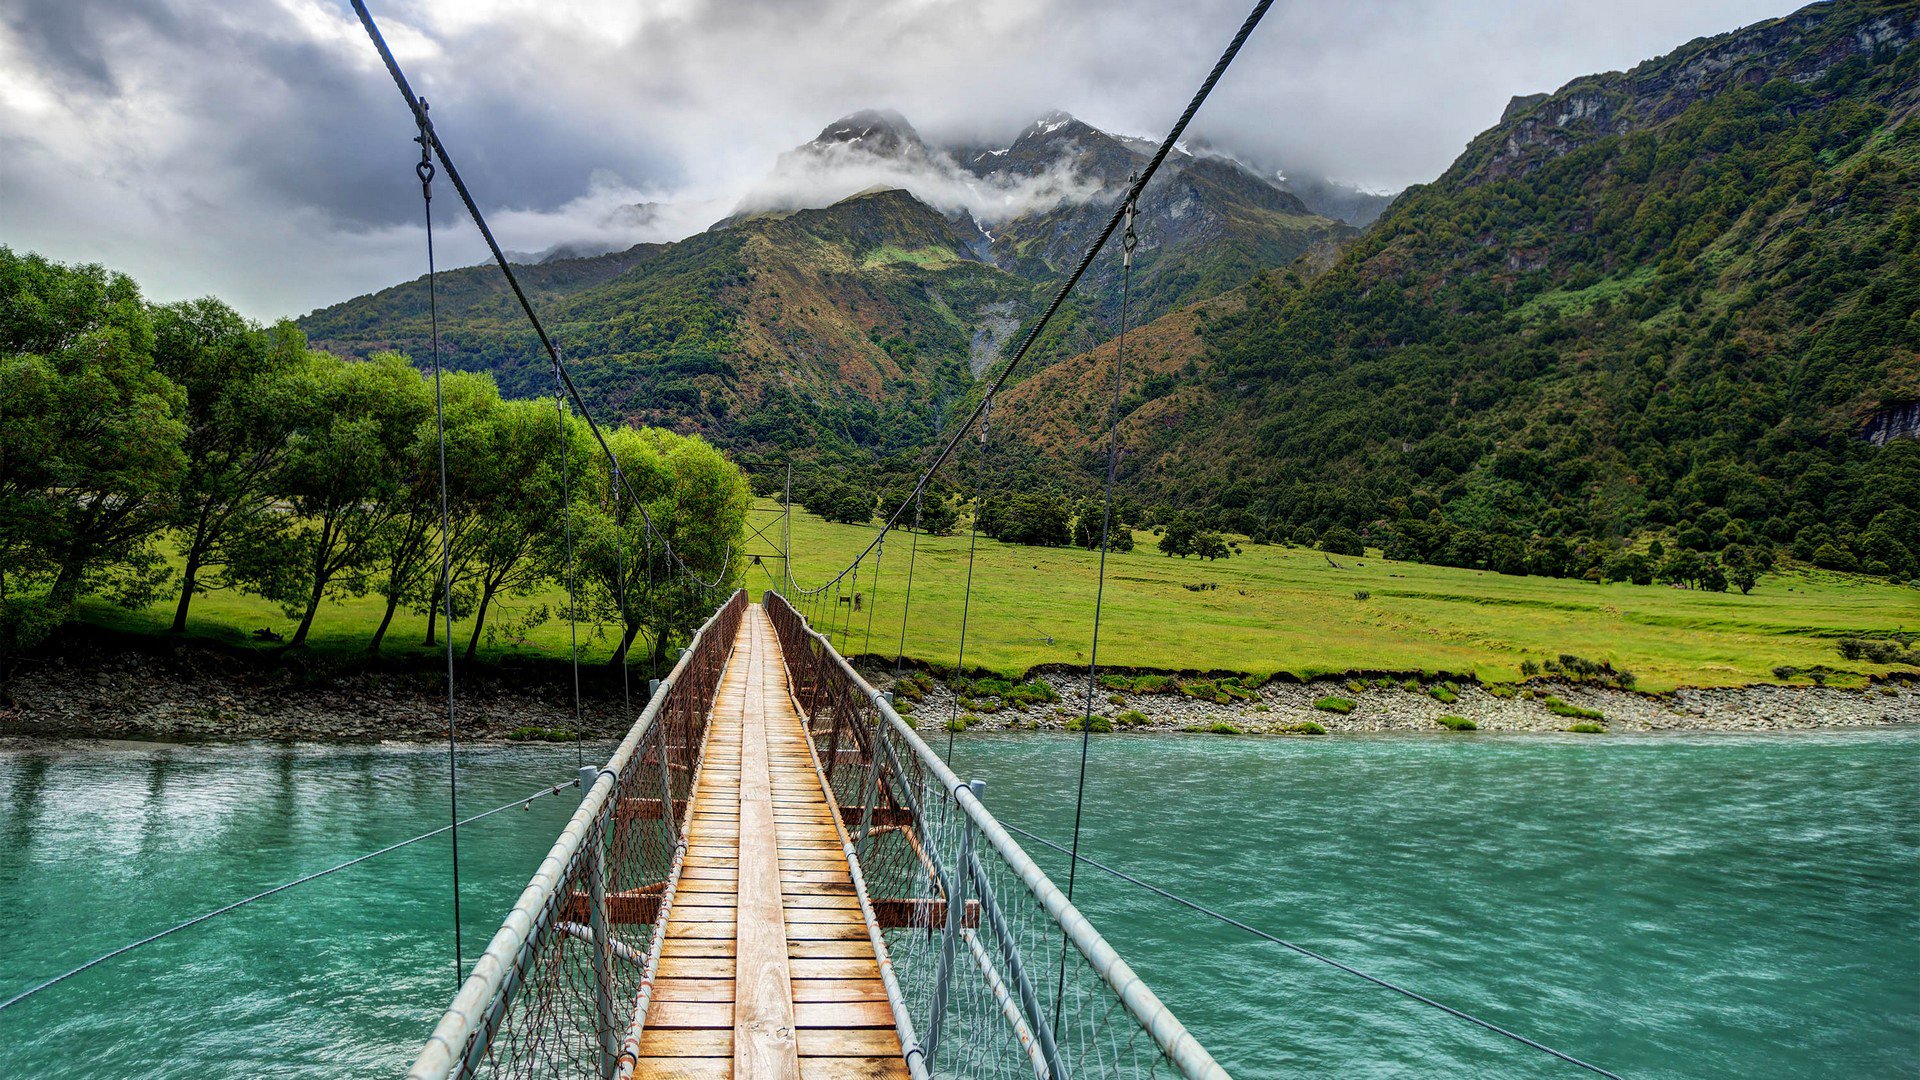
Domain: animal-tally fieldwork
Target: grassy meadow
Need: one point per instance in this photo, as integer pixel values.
(346, 625)
(1289, 609)
(1268, 609)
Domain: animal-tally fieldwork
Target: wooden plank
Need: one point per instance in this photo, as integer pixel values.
(686, 1043)
(763, 1029)
(843, 1014)
(808, 990)
(698, 1068)
(846, 1042)
(851, 1068)
(677, 1013)
(693, 990)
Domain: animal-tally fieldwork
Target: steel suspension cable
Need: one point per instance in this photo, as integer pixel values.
(424, 170)
(620, 579)
(1086, 260)
(973, 543)
(906, 605)
(1127, 244)
(573, 597)
(513, 282)
(280, 888)
(1312, 955)
(873, 601)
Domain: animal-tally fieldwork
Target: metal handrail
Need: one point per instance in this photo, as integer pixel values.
(1146, 1008)
(463, 1031)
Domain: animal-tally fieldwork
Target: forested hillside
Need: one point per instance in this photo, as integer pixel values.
(1677, 303)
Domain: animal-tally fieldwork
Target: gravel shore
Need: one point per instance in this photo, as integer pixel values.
(1280, 705)
(184, 694)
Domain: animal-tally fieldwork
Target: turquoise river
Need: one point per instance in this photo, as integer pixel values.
(1710, 906)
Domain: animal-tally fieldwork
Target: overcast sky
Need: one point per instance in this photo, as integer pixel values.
(255, 149)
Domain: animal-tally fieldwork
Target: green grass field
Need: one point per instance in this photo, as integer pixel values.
(1287, 609)
(346, 625)
(1269, 609)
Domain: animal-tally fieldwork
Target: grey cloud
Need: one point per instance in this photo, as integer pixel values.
(255, 149)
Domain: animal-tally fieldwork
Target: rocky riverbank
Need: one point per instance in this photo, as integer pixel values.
(107, 687)
(1415, 706)
(157, 690)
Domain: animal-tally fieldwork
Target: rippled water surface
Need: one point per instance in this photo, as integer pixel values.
(1666, 907)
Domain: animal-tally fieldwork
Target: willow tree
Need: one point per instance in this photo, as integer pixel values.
(697, 502)
(527, 460)
(90, 436)
(342, 474)
(248, 390)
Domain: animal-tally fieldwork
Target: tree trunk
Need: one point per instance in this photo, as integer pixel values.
(658, 662)
(189, 577)
(393, 601)
(433, 609)
(626, 643)
(306, 621)
(479, 620)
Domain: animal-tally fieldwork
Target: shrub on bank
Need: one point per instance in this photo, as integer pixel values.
(1587, 729)
(1458, 723)
(1333, 705)
(1304, 727)
(530, 733)
(1561, 708)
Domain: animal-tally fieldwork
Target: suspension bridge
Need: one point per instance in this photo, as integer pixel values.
(773, 875)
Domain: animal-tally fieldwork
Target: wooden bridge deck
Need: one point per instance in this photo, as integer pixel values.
(767, 969)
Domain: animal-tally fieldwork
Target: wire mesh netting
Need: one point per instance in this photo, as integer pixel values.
(556, 991)
(1000, 976)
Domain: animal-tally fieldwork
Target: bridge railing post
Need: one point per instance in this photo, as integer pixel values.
(953, 883)
(601, 927)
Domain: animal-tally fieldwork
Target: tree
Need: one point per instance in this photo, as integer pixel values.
(697, 502)
(1742, 567)
(90, 437)
(1341, 540)
(405, 558)
(518, 531)
(247, 390)
(937, 515)
(1088, 515)
(1022, 517)
(1209, 545)
(342, 475)
(1179, 535)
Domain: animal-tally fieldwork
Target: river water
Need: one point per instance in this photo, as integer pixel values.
(1724, 906)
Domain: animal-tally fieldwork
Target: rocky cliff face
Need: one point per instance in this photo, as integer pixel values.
(1537, 128)
(1892, 422)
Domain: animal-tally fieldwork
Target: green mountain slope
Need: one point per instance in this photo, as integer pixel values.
(835, 329)
(1679, 300)
(848, 332)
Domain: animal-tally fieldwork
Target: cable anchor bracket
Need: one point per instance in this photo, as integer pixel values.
(424, 170)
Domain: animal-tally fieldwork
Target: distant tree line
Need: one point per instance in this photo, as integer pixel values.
(131, 431)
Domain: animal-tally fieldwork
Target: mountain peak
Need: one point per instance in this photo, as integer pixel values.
(880, 131)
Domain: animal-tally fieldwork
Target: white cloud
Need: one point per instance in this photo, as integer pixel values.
(255, 149)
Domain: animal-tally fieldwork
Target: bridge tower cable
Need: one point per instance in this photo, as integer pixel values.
(424, 171)
(906, 604)
(620, 583)
(573, 594)
(973, 544)
(547, 344)
(1130, 198)
(1128, 242)
(873, 601)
